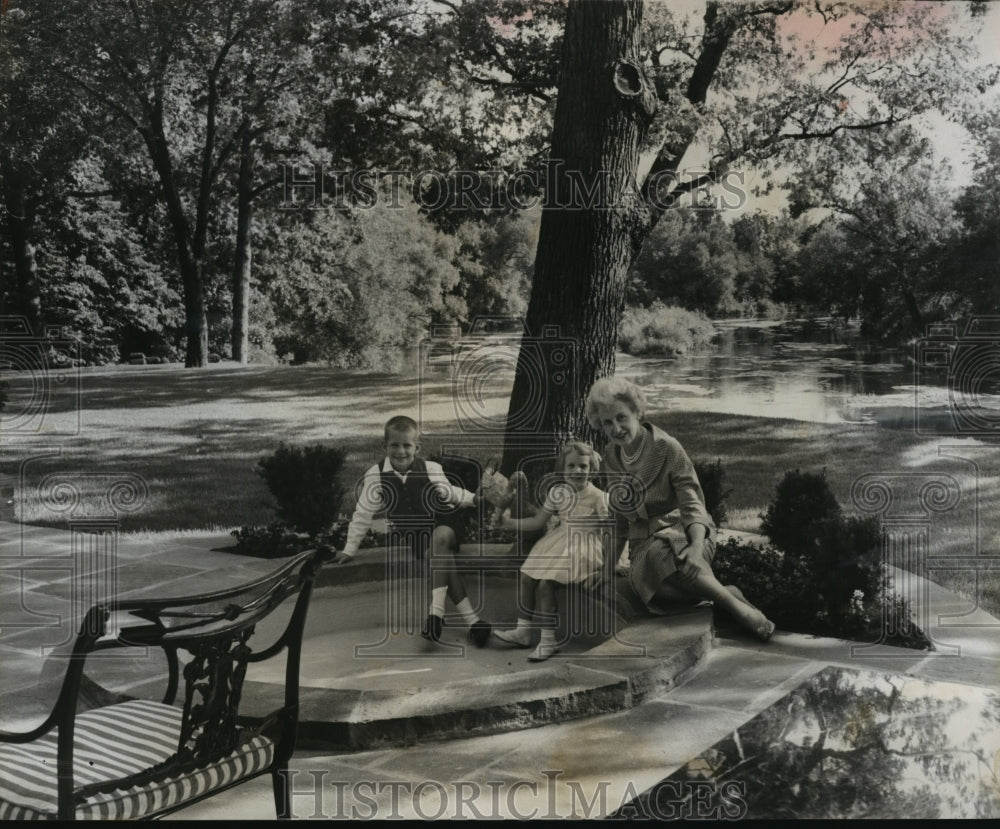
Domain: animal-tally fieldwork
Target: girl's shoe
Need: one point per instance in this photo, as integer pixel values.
(519, 637)
(542, 652)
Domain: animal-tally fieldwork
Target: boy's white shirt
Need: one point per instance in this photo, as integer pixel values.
(370, 499)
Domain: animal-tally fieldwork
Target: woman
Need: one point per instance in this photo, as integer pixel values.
(655, 494)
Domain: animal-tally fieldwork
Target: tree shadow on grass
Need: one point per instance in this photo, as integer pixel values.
(155, 386)
(203, 476)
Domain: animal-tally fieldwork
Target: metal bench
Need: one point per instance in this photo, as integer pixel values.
(140, 759)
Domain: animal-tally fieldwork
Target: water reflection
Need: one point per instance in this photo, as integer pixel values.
(851, 744)
(798, 370)
(801, 370)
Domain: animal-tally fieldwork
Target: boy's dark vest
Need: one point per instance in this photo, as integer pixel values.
(409, 498)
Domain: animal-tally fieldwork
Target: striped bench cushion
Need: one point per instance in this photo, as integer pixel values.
(114, 742)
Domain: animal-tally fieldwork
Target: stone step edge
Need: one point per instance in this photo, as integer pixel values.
(606, 692)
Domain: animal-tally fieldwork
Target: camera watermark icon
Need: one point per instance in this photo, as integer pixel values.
(959, 373)
(43, 378)
(482, 368)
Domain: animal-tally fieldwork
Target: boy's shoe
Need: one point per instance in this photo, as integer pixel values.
(516, 636)
(479, 633)
(542, 652)
(432, 628)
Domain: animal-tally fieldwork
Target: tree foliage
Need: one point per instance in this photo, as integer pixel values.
(144, 144)
(358, 288)
(742, 84)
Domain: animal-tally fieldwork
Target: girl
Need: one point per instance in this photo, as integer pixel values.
(555, 557)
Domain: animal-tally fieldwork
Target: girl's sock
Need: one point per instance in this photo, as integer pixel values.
(546, 646)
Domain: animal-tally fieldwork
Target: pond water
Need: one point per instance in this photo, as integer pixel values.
(813, 371)
(822, 373)
(845, 744)
(799, 370)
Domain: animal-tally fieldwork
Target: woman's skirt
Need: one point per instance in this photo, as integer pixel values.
(655, 560)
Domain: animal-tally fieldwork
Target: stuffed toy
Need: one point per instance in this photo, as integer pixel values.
(501, 492)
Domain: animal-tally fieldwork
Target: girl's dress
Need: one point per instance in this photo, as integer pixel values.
(569, 552)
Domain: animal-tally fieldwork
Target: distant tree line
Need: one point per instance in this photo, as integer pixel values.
(145, 149)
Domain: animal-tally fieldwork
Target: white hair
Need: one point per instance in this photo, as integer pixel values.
(609, 390)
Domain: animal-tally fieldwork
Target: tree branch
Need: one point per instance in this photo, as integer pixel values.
(113, 105)
(806, 134)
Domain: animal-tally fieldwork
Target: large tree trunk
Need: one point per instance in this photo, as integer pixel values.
(195, 323)
(20, 218)
(592, 226)
(244, 250)
(913, 309)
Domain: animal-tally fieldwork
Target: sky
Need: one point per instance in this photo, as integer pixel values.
(950, 139)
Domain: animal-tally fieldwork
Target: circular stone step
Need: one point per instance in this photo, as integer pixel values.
(368, 680)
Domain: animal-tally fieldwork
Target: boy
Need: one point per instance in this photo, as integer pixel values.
(405, 486)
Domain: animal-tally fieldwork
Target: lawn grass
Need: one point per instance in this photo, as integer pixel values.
(193, 437)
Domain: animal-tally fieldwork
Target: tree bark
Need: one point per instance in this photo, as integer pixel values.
(20, 219)
(244, 251)
(913, 309)
(196, 323)
(593, 224)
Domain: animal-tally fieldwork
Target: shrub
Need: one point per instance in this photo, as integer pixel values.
(272, 541)
(803, 502)
(830, 571)
(713, 484)
(664, 330)
(275, 540)
(778, 583)
(789, 592)
(848, 562)
(305, 483)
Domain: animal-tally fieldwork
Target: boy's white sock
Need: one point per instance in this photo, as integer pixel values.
(523, 624)
(438, 595)
(468, 614)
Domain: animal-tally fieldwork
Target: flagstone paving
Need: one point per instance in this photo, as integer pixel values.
(478, 733)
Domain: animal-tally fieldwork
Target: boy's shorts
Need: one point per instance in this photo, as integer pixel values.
(458, 521)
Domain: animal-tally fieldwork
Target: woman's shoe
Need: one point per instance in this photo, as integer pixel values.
(764, 631)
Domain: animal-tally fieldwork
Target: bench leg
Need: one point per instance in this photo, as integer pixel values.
(281, 782)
